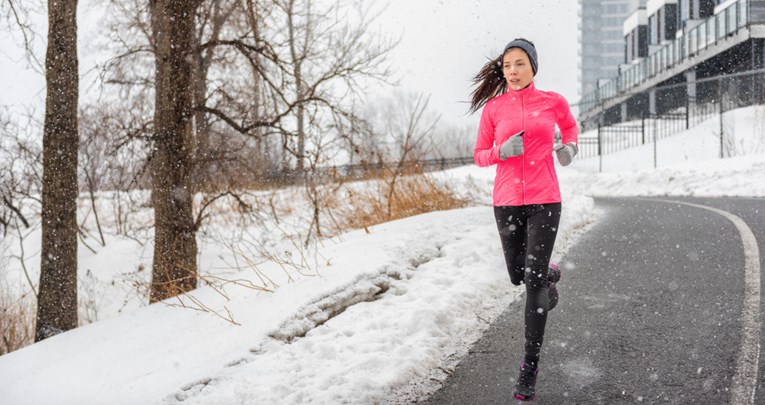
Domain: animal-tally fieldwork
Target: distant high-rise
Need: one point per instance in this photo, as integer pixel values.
(602, 39)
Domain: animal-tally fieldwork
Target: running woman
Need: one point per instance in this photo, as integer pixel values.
(516, 133)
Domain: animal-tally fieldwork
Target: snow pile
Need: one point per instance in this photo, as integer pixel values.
(737, 176)
(388, 308)
(394, 322)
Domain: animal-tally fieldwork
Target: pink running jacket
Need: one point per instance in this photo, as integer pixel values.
(529, 178)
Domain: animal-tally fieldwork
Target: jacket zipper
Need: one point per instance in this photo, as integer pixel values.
(523, 160)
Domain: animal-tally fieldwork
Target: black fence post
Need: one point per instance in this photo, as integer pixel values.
(600, 151)
(655, 146)
(721, 128)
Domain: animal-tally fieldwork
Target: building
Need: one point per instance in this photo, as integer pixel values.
(682, 53)
(601, 40)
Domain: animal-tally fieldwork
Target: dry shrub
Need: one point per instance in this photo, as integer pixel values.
(17, 320)
(412, 195)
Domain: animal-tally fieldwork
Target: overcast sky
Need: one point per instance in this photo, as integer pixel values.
(443, 44)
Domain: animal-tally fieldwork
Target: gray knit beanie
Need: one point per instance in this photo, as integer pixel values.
(527, 47)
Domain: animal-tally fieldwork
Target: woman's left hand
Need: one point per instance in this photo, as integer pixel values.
(566, 152)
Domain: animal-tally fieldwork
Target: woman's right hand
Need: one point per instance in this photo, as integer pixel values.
(512, 147)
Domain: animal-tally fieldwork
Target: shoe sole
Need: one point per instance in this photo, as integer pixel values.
(524, 398)
(553, 298)
(554, 301)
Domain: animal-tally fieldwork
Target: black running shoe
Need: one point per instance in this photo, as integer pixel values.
(553, 276)
(527, 380)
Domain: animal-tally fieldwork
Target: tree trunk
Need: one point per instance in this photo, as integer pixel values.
(174, 270)
(262, 147)
(57, 299)
(297, 62)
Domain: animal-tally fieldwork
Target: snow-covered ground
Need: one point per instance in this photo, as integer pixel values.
(367, 318)
(687, 164)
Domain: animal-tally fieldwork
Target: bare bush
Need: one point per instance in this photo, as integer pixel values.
(17, 319)
(404, 128)
(17, 301)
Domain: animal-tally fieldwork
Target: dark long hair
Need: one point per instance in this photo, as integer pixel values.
(491, 83)
(490, 80)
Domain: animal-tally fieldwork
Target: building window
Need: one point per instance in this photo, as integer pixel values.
(660, 25)
(670, 18)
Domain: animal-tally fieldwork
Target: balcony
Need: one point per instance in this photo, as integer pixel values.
(738, 18)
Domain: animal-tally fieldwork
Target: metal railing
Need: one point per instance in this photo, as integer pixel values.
(361, 171)
(650, 128)
(728, 92)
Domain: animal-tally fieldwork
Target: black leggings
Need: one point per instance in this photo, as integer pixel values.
(528, 235)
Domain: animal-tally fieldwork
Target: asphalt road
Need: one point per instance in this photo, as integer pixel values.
(653, 310)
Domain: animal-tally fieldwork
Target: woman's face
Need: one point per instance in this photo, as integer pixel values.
(517, 69)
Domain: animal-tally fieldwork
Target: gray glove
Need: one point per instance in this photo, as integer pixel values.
(566, 152)
(512, 147)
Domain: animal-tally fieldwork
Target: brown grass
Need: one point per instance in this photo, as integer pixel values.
(17, 320)
(414, 194)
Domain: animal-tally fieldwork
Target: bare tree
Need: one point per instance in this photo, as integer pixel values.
(308, 63)
(57, 297)
(299, 48)
(17, 16)
(329, 54)
(20, 172)
(96, 160)
(174, 268)
(324, 55)
(404, 126)
(453, 141)
(238, 81)
(410, 133)
(20, 166)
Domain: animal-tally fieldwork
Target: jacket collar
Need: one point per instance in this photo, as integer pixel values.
(524, 91)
